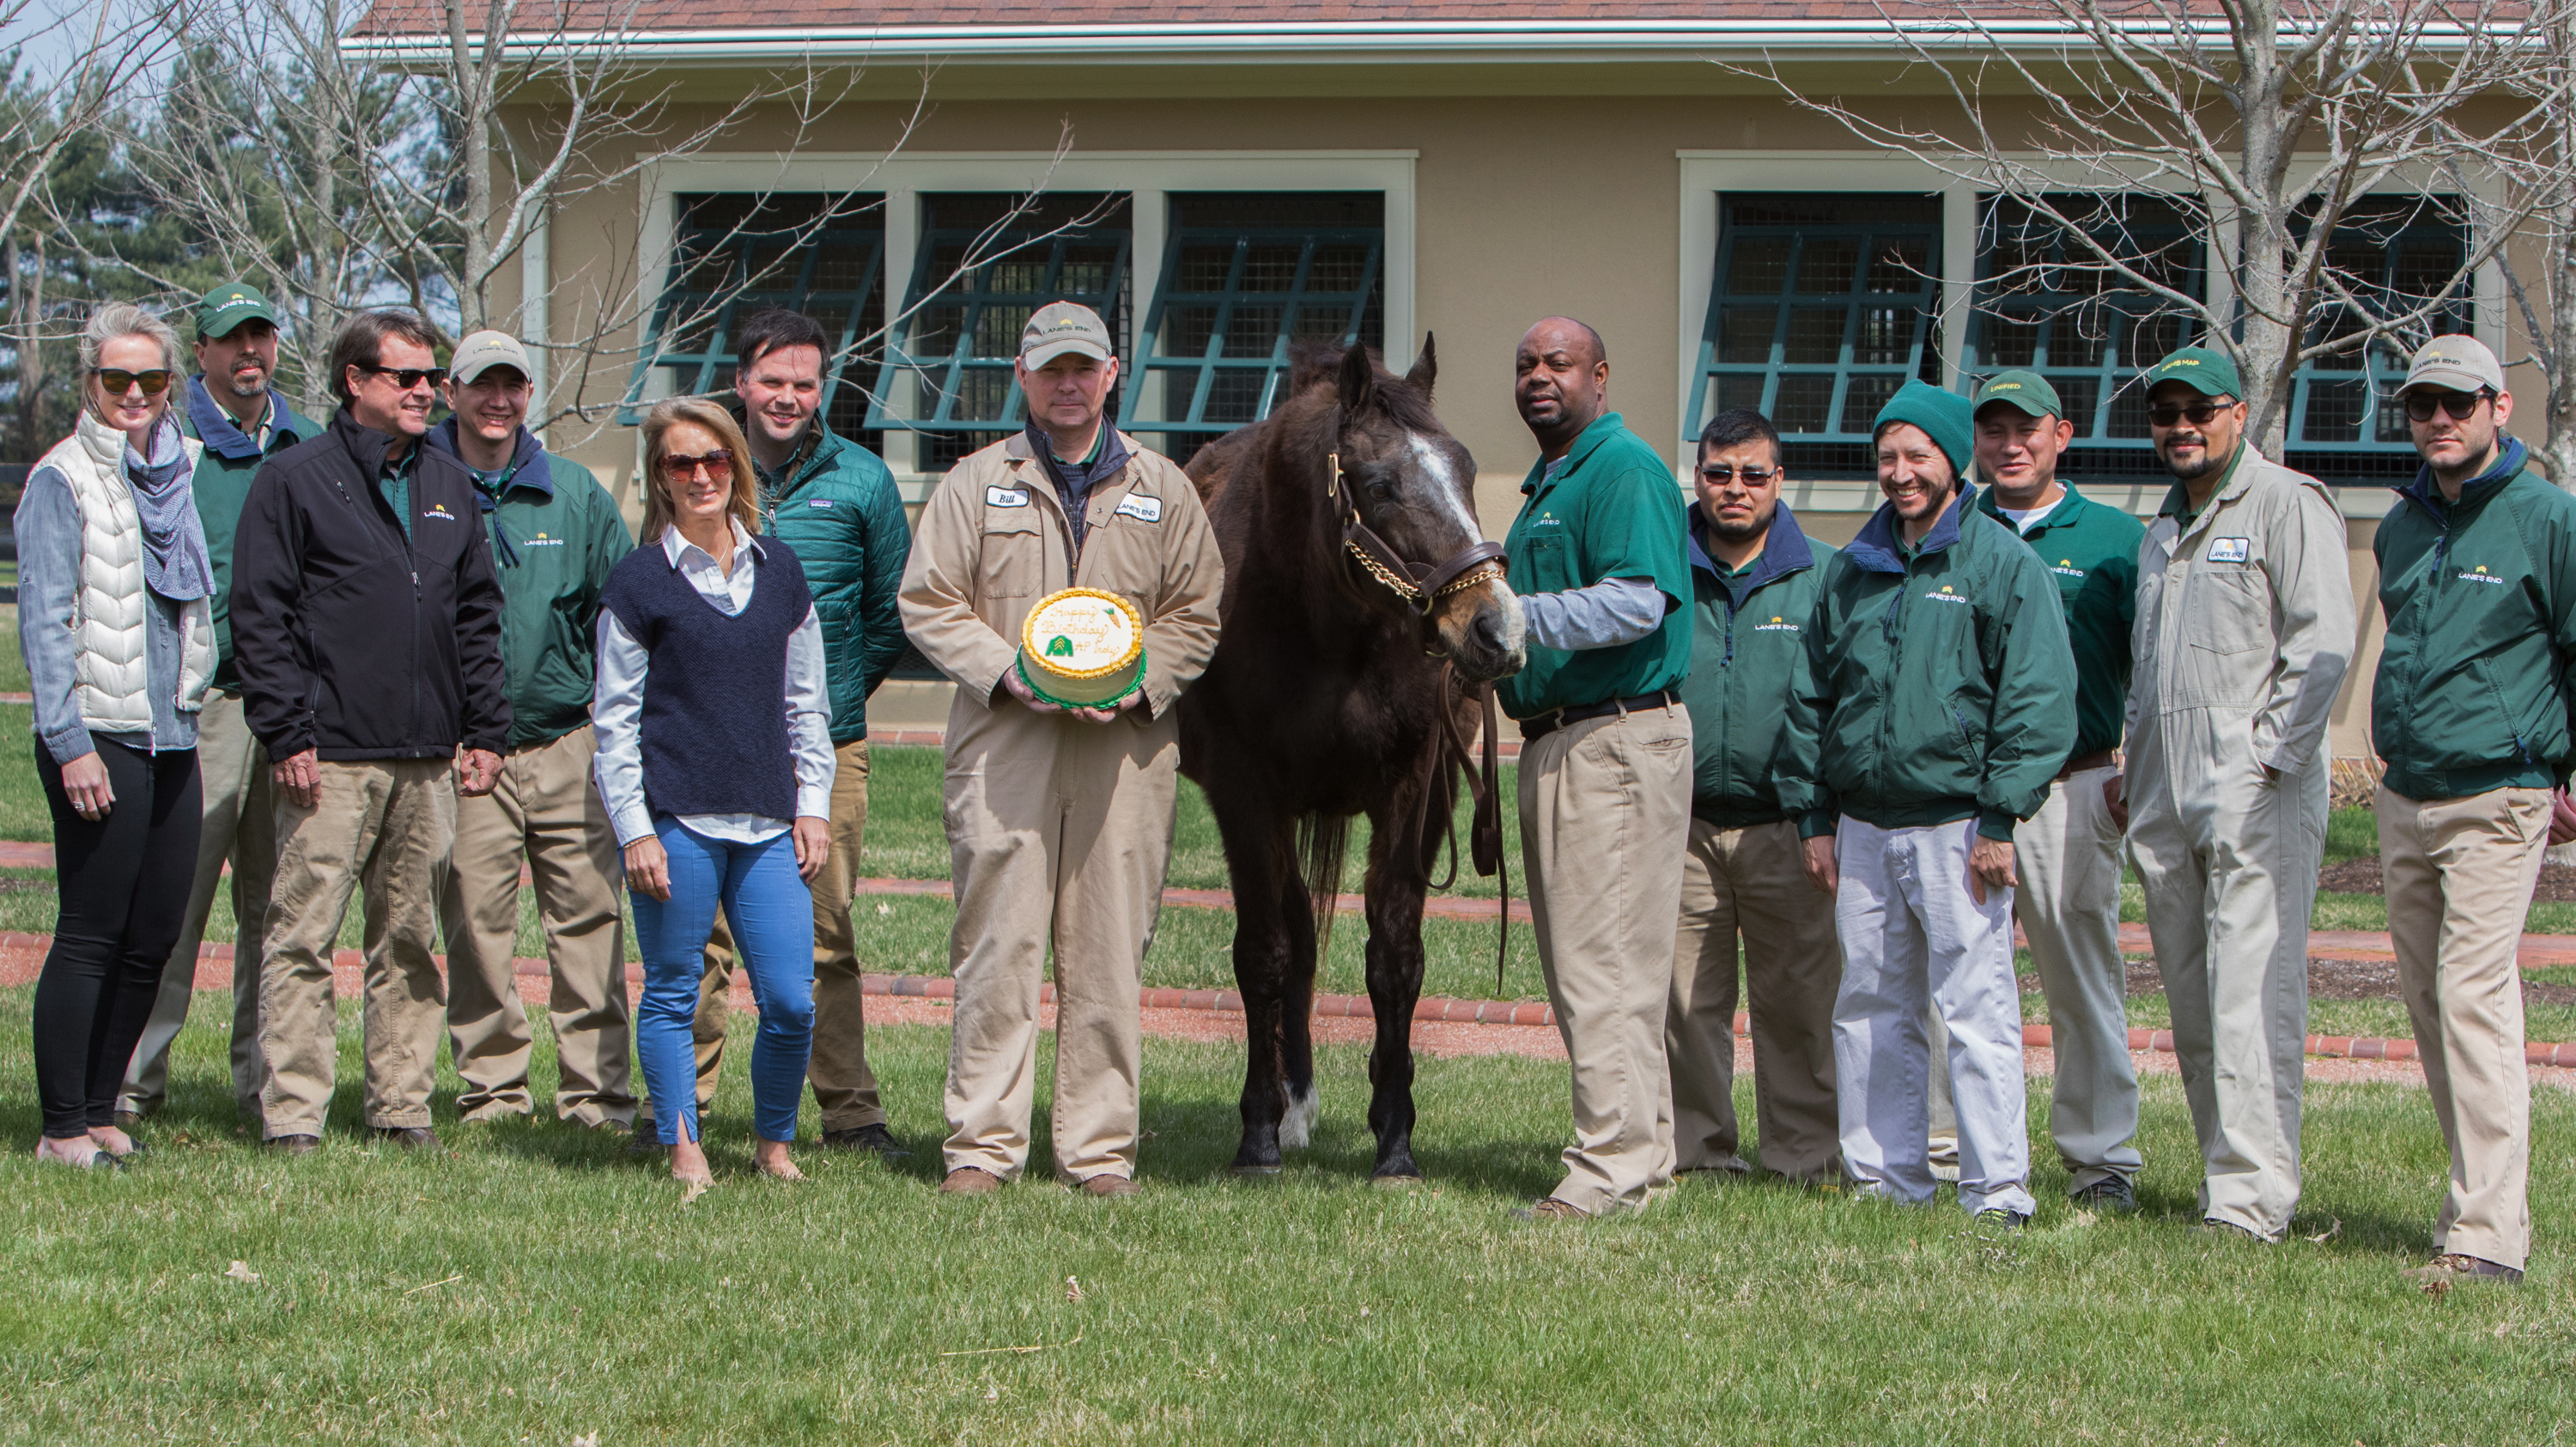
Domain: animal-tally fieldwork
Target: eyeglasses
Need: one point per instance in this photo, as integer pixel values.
(1749, 476)
(119, 381)
(2199, 412)
(405, 378)
(677, 468)
(2461, 405)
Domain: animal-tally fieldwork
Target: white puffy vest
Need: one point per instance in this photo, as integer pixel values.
(109, 610)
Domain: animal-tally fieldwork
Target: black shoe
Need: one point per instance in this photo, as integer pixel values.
(2003, 1220)
(418, 1138)
(866, 1138)
(2111, 1193)
(292, 1145)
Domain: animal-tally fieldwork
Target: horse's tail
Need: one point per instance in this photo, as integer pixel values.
(1321, 841)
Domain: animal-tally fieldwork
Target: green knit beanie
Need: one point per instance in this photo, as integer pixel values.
(1945, 417)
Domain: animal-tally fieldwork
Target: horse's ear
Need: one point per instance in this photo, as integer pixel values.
(1425, 367)
(1358, 379)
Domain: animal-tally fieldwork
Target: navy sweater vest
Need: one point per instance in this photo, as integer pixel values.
(714, 728)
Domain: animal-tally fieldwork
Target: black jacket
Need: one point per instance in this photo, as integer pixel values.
(351, 640)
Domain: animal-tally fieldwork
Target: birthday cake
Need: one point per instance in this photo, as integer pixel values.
(1083, 648)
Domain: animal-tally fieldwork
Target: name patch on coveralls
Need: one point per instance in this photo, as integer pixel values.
(1140, 507)
(1005, 497)
(2230, 550)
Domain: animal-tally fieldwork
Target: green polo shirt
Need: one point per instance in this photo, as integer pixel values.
(2091, 549)
(394, 481)
(1608, 512)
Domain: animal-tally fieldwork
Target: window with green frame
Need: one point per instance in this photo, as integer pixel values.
(2046, 300)
(734, 254)
(2396, 253)
(1822, 306)
(955, 352)
(1245, 276)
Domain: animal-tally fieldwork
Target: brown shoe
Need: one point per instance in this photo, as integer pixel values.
(970, 1181)
(1108, 1185)
(2457, 1266)
(129, 1120)
(411, 1138)
(293, 1145)
(1550, 1209)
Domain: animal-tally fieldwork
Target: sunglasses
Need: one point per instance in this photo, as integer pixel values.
(405, 378)
(2420, 406)
(119, 381)
(2199, 412)
(677, 468)
(1749, 476)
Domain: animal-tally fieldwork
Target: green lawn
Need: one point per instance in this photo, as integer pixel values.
(538, 1285)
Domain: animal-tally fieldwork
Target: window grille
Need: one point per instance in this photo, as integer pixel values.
(1822, 306)
(2397, 254)
(957, 348)
(734, 254)
(1246, 276)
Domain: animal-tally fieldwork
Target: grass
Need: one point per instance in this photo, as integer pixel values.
(537, 1285)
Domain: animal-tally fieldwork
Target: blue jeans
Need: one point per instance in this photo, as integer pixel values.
(772, 915)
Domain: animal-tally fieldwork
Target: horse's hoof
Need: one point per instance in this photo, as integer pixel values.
(1256, 1173)
(1395, 1183)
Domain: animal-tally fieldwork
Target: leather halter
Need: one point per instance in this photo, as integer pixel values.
(1420, 585)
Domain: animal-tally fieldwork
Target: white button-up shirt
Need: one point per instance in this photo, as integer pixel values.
(617, 710)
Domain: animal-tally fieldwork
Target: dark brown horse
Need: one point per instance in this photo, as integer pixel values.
(1362, 610)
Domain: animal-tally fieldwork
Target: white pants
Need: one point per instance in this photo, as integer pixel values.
(1911, 934)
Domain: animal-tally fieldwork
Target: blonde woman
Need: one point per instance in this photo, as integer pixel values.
(715, 762)
(114, 617)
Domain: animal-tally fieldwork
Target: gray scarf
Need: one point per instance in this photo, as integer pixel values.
(175, 562)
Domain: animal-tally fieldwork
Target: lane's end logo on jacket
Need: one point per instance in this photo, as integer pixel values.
(1776, 625)
(2482, 576)
(2066, 569)
(542, 541)
(1945, 596)
(438, 510)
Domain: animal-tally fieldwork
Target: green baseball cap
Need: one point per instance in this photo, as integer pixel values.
(2028, 391)
(2209, 373)
(220, 311)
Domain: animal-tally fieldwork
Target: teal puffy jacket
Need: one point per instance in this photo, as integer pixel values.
(840, 512)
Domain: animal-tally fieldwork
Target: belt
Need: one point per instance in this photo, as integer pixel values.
(2098, 759)
(1557, 718)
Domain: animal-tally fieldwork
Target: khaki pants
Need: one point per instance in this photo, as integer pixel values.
(1057, 828)
(386, 824)
(1753, 883)
(1605, 822)
(237, 829)
(2229, 861)
(845, 1090)
(2459, 874)
(543, 811)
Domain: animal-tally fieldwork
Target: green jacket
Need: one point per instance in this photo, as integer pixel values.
(1941, 687)
(839, 510)
(2092, 551)
(555, 534)
(221, 482)
(2474, 692)
(1748, 659)
(1607, 513)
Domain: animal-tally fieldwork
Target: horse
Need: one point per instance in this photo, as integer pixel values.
(1366, 618)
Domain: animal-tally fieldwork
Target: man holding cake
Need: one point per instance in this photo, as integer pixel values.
(1067, 579)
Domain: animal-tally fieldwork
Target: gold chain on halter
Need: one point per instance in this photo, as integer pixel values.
(1404, 587)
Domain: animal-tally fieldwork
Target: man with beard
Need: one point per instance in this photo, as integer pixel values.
(2245, 626)
(1941, 704)
(231, 409)
(1754, 577)
(1599, 557)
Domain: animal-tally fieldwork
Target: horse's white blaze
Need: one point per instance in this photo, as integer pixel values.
(1299, 1123)
(1436, 462)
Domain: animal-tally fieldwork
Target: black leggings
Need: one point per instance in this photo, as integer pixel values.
(124, 893)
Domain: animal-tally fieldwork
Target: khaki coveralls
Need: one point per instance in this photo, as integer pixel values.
(2245, 626)
(1057, 827)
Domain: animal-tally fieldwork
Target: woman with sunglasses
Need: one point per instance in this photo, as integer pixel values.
(116, 621)
(715, 762)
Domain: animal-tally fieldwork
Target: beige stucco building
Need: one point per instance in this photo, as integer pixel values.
(1219, 178)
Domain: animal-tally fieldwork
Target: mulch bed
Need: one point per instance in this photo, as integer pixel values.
(2352, 980)
(2361, 876)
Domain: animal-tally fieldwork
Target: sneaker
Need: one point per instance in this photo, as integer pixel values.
(2001, 1219)
(871, 1138)
(1550, 1209)
(2111, 1193)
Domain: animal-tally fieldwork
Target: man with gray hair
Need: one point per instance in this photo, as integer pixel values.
(2470, 713)
(231, 408)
